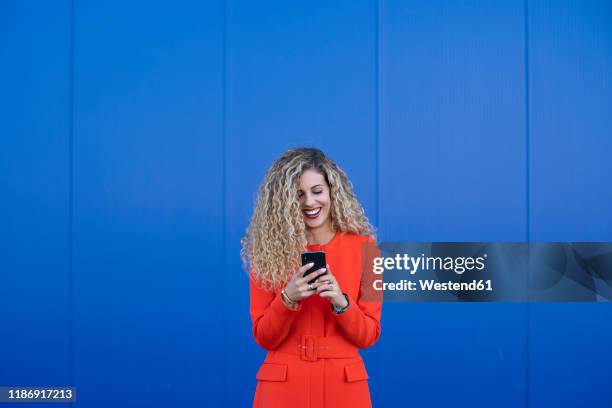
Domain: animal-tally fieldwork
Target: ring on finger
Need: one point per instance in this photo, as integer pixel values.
(310, 286)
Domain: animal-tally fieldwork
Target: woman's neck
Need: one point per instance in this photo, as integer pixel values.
(321, 235)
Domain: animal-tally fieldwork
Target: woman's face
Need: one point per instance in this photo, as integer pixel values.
(314, 198)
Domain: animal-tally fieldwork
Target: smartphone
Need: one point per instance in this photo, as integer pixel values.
(318, 257)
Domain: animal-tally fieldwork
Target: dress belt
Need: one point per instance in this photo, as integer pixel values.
(311, 348)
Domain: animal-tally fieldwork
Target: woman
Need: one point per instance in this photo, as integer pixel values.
(312, 331)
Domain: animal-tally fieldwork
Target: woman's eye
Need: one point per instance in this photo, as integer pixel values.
(317, 192)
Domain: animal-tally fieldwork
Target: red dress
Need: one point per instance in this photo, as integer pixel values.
(312, 358)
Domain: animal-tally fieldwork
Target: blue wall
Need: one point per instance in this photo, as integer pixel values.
(134, 137)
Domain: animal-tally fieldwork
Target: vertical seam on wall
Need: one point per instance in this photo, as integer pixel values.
(377, 113)
(527, 206)
(377, 160)
(224, 171)
(71, 193)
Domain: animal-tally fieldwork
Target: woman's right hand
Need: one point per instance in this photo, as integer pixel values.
(297, 288)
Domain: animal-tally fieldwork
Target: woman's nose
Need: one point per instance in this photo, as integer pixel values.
(309, 201)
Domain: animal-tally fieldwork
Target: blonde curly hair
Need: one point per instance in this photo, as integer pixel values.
(276, 235)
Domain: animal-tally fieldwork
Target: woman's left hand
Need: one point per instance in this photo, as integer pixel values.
(328, 287)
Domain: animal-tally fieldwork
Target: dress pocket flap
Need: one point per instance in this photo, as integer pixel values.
(272, 372)
(355, 372)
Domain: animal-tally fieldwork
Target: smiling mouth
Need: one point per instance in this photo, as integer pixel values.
(311, 214)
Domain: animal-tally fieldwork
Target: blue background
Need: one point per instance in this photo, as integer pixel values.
(134, 137)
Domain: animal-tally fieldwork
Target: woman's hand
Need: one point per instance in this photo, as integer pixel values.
(327, 287)
(298, 288)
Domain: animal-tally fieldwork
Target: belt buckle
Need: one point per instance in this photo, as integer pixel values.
(309, 347)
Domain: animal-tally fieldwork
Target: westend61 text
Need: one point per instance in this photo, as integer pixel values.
(430, 284)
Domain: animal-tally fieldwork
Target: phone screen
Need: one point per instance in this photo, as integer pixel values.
(318, 257)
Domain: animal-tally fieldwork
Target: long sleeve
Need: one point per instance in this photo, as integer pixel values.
(271, 319)
(361, 321)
